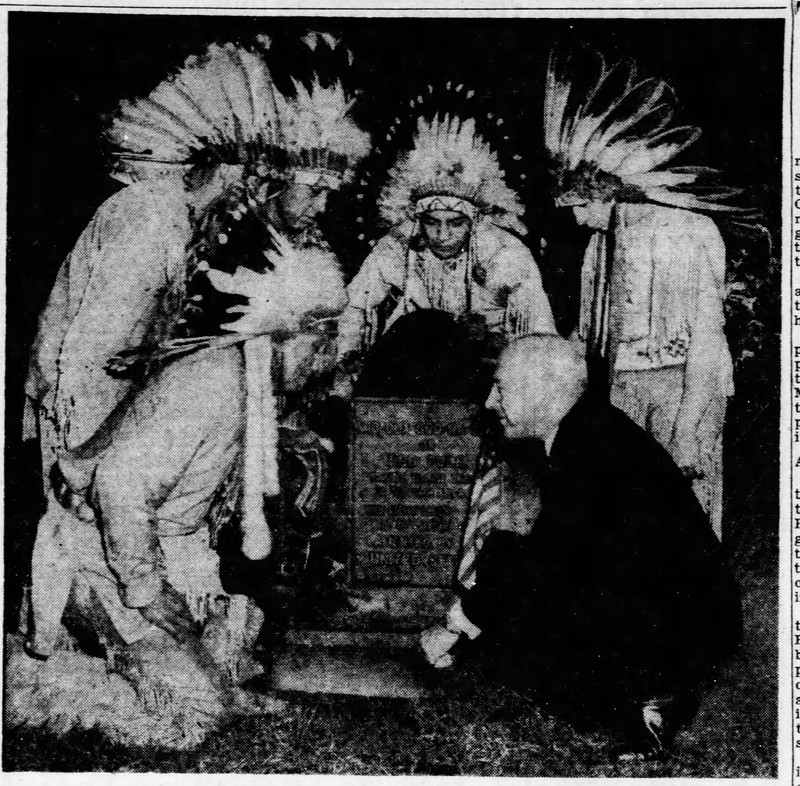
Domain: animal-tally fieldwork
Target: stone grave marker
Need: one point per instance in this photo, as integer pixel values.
(411, 466)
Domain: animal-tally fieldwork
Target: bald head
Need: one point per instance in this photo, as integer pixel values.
(538, 380)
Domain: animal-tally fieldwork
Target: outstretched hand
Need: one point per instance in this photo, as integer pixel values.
(436, 643)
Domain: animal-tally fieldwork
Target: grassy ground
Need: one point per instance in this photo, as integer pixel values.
(470, 729)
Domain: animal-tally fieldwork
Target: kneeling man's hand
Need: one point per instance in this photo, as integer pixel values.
(436, 643)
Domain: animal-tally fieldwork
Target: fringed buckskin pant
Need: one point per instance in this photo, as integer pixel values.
(150, 489)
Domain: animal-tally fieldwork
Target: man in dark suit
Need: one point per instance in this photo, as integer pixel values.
(618, 601)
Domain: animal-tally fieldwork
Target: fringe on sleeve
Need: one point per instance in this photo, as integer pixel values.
(677, 259)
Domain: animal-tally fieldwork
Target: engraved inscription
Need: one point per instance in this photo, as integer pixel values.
(411, 468)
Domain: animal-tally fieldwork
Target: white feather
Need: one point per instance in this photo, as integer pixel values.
(227, 98)
(449, 158)
(642, 97)
(599, 103)
(657, 151)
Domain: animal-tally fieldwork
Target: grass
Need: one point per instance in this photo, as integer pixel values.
(470, 728)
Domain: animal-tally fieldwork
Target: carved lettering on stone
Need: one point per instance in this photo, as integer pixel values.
(411, 468)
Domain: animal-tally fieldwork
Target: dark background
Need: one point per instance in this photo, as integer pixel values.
(68, 71)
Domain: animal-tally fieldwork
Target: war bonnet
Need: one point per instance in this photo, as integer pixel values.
(222, 107)
(610, 134)
(449, 167)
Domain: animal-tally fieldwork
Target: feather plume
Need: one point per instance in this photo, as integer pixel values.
(690, 201)
(588, 71)
(657, 150)
(225, 103)
(623, 114)
(557, 89)
(608, 133)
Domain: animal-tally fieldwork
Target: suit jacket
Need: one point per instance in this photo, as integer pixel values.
(621, 589)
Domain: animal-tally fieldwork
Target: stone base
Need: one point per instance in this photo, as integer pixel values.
(353, 671)
(369, 649)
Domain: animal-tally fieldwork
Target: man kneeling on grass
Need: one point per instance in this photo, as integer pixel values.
(617, 603)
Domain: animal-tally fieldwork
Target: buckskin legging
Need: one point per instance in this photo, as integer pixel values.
(151, 490)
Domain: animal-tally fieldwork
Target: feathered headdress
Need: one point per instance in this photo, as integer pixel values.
(611, 138)
(223, 107)
(451, 167)
(318, 137)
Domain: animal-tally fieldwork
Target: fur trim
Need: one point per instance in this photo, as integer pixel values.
(74, 691)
